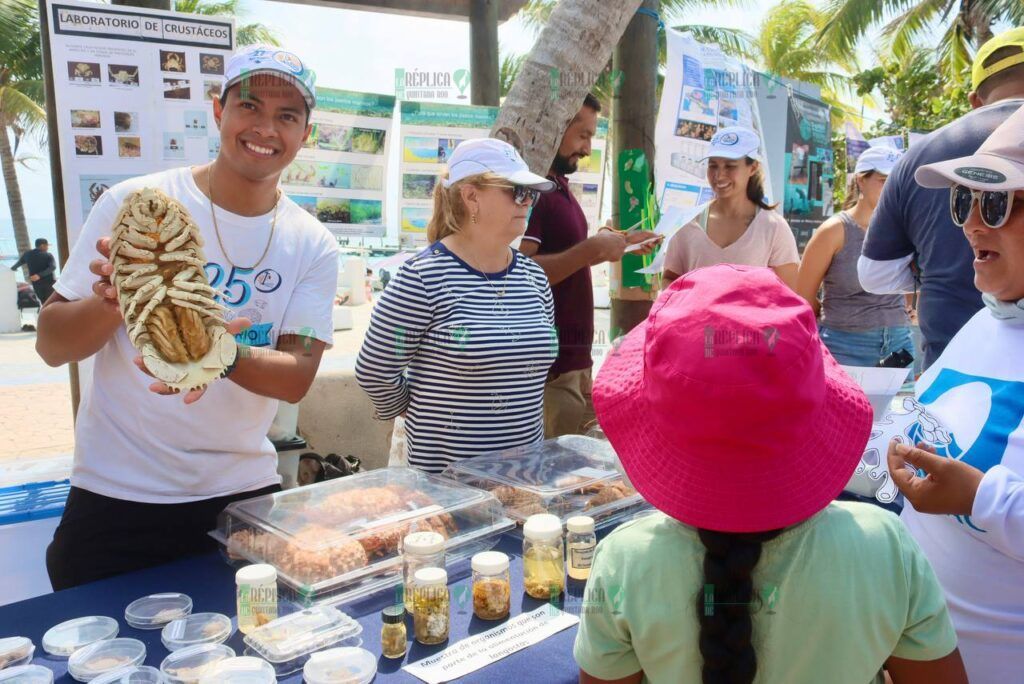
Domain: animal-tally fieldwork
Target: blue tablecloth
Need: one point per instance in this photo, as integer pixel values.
(211, 584)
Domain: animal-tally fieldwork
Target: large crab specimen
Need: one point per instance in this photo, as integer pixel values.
(168, 306)
(123, 76)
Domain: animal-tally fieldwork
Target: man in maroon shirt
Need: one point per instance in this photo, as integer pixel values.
(556, 238)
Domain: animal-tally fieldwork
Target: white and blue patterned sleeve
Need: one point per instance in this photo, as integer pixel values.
(397, 327)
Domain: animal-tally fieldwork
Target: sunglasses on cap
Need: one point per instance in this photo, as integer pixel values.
(994, 205)
(521, 194)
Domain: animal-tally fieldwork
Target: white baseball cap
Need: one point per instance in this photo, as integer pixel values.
(267, 59)
(480, 155)
(734, 142)
(881, 159)
(997, 165)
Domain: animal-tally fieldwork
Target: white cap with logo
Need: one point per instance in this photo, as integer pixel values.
(482, 155)
(997, 165)
(267, 59)
(881, 159)
(734, 142)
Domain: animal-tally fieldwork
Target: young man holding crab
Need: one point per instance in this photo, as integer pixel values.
(152, 472)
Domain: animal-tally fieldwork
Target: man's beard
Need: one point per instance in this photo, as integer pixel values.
(563, 166)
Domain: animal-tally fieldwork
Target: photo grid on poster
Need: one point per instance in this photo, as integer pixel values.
(131, 89)
(339, 174)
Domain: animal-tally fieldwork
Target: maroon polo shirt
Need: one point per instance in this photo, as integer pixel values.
(557, 224)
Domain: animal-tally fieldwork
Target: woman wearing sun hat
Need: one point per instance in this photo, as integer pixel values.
(858, 327)
(732, 419)
(462, 339)
(739, 226)
(968, 512)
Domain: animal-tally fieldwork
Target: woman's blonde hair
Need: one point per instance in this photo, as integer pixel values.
(853, 189)
(450, 211)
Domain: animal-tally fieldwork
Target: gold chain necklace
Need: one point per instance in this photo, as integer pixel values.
(216, 229)
(504, 278)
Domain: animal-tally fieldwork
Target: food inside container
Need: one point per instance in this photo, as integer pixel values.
(287, 642)
(26, 674)
(135, 674)
(16, 651)
(105, 656)
(188, 665)
(240, 670)
(568, 476)
(339, 540)
(199, 628)
(64, 639)
(156, 610)
(341, 666)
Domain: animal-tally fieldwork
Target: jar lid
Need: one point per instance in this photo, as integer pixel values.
(259, 573)
(393, 615)
(156, 610)
(189, 664)
(430, 577)
(543, 527)
(16, 651)
(580, 524)
(240, 670)
(136, 674)
(198, 628)
(490, 562)
(101, 657)
(27, 674)
(423, 543)
(348, 665)
(71, 635)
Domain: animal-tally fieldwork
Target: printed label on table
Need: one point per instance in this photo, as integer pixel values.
(474, 653)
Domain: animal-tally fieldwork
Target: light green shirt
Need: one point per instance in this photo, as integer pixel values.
(837, 595)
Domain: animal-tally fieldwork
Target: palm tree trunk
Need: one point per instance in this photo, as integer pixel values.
(14, 196)
(561, 68)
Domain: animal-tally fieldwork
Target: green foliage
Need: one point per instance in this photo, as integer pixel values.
(21, 71)
(245, 34)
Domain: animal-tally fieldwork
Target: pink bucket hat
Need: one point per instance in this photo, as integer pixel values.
(725, 408)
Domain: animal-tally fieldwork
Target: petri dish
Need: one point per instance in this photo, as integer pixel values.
(64, 639)
(156, 610)
(15, 651)
(340, 666)
(101, 657)
(26, 674)
(196, 629)
(136, 674)
(240, 670)
(188, 665)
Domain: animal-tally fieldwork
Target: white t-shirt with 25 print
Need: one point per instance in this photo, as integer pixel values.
(133, 444)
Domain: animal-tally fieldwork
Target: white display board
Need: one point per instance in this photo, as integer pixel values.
(133, 91)
(587, 183)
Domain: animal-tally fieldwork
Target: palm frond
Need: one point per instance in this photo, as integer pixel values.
(733, 42)
(256, 34)
(904, 30)
(848, 20)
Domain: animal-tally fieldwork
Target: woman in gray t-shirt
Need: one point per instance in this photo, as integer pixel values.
(858, 327)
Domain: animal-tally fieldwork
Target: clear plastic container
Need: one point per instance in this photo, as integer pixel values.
(188, 665)
(64, 639)
(340, 666)
(287, 642)
(15, 651)
(419, 550)
(137, 674)
(569, 476)
(156, 610)
(101, 657)
(492, 586)
(339, 540)
(196, 629)
(543, 557)
(26, 674)
(255, 596)
(240, 670)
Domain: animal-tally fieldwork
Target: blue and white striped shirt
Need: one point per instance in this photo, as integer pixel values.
(466, 364)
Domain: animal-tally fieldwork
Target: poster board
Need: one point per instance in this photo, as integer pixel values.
(339, 176)
(587, 182)
(429, 132)
(133, 91)
(809, 167)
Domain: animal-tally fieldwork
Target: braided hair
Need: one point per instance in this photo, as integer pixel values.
(723, 607)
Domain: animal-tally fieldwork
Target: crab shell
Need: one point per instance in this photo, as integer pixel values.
(194, 375)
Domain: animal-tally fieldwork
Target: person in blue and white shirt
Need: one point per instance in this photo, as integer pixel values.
(462, 339)
(967, 504)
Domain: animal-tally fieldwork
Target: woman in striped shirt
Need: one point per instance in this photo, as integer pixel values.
(461, 340)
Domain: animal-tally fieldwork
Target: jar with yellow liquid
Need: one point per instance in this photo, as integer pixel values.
(543, 556)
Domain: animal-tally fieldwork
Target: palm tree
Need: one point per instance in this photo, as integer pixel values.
(245, 34)
(965, 24)
(21, 99)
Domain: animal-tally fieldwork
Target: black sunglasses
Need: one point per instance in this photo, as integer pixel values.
(521, 194)
(995, 205)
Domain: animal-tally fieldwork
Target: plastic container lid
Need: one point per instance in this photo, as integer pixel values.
(240, 670)
(297, 635)
(136, 674)
(15, 651)
(423, 543)
(341, 666)
(430, 577)
(580, 524)
(196, 629)
(490, 562)
(543, 527)
(27, 674)
(156, 610)
(393, 615)
(258, 573)
(188, 665)
(105, 656)
(67, 637)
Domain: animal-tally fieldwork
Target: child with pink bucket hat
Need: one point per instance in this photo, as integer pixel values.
(732, 419)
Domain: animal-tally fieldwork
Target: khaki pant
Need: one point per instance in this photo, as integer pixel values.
(568, 406)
